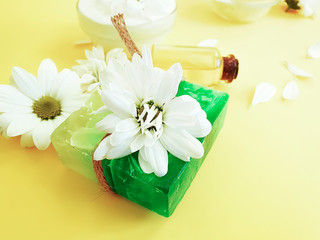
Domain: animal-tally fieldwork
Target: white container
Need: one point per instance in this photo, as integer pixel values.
(106, 35)
(242, 11)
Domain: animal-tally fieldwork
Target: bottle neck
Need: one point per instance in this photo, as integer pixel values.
(230, 68)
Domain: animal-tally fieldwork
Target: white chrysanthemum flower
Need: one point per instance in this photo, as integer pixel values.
(34, 106)
(147, 116)
(88, 69)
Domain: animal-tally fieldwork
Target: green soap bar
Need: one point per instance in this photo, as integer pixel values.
(76, 138)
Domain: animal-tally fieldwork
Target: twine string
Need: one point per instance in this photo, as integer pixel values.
(119, 23)
(98, 170)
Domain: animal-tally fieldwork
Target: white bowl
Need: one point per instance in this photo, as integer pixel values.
(107, 36)
(242, 10)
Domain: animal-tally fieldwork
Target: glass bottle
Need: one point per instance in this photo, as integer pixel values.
(202, 65)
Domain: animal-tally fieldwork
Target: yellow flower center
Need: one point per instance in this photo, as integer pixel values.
(47, 108)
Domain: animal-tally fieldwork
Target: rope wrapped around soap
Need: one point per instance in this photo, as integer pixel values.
(119, 23)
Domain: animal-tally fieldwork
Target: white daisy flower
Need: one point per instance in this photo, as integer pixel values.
(34, 106)
(147, 116)
(88, 69)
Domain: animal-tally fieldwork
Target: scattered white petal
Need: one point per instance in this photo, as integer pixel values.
(208, 43)
(298, 72)
(309, 8)
(264, 92)
(314, 50)
(82, 42)
(290, 91)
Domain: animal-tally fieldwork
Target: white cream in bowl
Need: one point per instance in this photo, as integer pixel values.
(148, 21)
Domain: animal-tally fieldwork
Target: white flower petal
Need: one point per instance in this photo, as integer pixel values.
(26, 140)
(82, 42)
(12, 100)
(264, 92)
(202, 127)
(298, 72)
(102, 149)
(126, 125)
(208, 43)
(41, 134)
(47, 74)
(27, 83)
(168, 86)
(23, 124)
(185, 112)
(181, 144)
(134, 76)
(118, 54)
(67, 85)
(115, 66)
(156, 157)
(314, 50)
(144, 165)
(290, 91)
(107, 76)
(12, 108)
(96, 53)
(59, 119)
(118, 137)
(146, 56)
(140, 141)
(92, 87)
(177, 71)
(157, 76)
(108, 123)
(307, 11)
(5, 120)
(136, 60)
(120, 150)
(102, 109)
(87, 79)
(72, 104)
(309, 8)
(118, 103)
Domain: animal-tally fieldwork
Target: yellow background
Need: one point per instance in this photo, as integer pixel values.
(261, 179)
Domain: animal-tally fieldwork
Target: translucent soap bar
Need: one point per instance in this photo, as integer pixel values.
(76, 139)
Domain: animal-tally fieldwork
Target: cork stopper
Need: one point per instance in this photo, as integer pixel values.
(230, 68)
